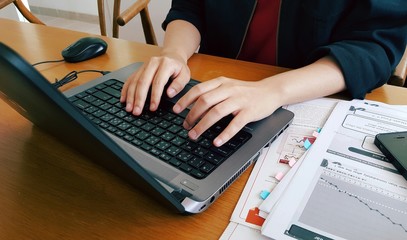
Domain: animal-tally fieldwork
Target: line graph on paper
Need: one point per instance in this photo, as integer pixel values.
(293, 145)
(349, 207)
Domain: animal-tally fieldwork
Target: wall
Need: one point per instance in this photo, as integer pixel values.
(80, 6)
(10, 12)
(132, 31)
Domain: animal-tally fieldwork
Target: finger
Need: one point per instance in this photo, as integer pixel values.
(211, 117)
(126, 85)
(209, 102)
(193, 94)
(237, 124)
(167, 69)
(143, 86)
(178, 83)
(129, 91)
(161, 78)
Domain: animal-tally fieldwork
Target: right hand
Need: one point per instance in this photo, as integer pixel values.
(155, 73)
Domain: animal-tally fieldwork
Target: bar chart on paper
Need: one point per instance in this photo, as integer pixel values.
(346, 204)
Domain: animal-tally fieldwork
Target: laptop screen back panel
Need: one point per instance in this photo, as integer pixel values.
(30, 94)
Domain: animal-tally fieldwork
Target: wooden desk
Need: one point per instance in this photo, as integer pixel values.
(50, 191)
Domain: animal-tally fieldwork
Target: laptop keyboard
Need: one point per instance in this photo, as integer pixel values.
(159, 133)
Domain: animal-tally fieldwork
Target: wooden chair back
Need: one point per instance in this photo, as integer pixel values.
(121, 19)
(27, 14)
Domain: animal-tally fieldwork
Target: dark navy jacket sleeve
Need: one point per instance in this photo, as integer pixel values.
(366, 37)
(367, 40)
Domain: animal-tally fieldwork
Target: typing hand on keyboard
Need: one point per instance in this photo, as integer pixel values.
(160, 133)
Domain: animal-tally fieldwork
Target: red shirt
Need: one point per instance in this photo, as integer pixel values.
(260, 44)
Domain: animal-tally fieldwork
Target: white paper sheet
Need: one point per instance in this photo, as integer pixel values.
(345, 188)
(309, 116)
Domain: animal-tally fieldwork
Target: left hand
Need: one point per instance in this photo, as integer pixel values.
(247, 100)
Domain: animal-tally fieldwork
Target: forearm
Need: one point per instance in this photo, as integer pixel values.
(319, 79)
(182, 38)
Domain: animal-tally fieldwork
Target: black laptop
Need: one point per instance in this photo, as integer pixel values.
(151, 151)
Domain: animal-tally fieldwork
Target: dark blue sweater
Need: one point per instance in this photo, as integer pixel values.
(366, 37)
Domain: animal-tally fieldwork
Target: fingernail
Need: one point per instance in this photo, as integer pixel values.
(128, 107)
(218, 142)
(152, 106)
(176, 108)
(192, 134)
(171, 92)
(136, 111)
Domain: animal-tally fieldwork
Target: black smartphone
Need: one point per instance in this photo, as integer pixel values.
(394, 147)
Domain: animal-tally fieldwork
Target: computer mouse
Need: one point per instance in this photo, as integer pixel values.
(84, 49)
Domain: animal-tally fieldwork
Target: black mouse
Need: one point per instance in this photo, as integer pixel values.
(84, 49)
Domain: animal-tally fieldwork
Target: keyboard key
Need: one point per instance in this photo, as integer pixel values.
(175, 162)
(152, 140)
(207, 168)
(157, 131)
(113, 92)
(185, 167)
(142, 135)
(81, 104)
(222, 150)
(184, 156)
(178, 141)
(197, 174)
(196, 162)
(173, 150)
(103, 96)
(162, 145)
(133, 130)
(155, 151)
(214, 158)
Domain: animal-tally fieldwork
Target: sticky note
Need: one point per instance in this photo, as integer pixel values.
(292, 162)
(312, 140)
(254, 217)
(284, 161)
(264, 194)
(307, 144)
(279, 176)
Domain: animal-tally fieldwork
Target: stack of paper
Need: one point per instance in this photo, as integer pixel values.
(342, 188)
(275, 166)
(345, 188)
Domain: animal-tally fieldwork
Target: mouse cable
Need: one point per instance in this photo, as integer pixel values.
(72, 76)
(38, 63)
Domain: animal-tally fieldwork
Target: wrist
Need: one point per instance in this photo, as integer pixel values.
(277, 89)
(175, 53)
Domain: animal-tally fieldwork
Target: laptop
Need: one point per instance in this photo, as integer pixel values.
(151, 151)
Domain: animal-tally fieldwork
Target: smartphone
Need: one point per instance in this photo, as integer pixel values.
(394, 147)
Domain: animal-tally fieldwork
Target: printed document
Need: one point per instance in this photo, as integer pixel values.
(247, 217)
(345, 188)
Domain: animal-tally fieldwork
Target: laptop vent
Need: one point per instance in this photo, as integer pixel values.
(232, 179)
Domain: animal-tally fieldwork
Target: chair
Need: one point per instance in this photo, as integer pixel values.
(27, 14)
(399, 75)
(121, 19)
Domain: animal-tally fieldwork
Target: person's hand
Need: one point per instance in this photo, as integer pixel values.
(155, 73)
(215, 99)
